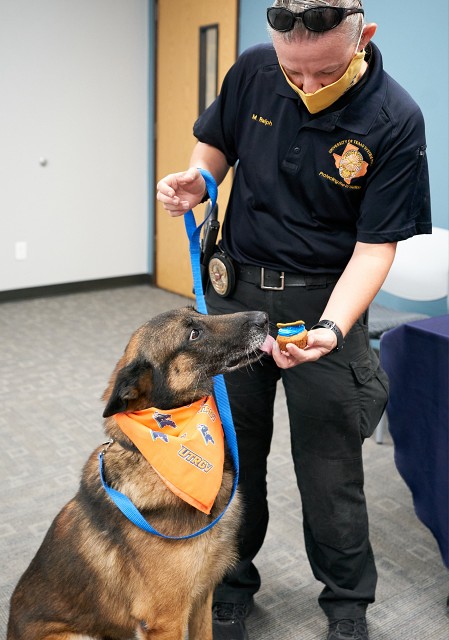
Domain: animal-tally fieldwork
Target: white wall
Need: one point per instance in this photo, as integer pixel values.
(74, 89)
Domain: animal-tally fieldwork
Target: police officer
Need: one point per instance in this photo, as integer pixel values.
(330, 174)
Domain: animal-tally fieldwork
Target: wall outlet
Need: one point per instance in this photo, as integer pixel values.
(21, 250)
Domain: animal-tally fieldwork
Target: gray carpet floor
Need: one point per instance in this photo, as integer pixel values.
(56, 355)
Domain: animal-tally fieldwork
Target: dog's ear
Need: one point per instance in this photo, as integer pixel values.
(131, 388)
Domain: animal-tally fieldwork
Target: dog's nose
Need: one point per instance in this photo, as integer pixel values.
(260, 318)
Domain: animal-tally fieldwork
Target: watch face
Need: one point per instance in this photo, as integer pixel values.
(219, 276)
(329, 324)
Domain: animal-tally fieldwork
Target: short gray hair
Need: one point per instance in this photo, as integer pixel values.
(351, 26)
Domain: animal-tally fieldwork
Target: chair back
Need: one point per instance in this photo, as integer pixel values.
(420, 270)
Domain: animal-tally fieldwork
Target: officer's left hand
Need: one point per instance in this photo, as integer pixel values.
(320, 342)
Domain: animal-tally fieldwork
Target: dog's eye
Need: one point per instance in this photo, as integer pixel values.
(194, 334)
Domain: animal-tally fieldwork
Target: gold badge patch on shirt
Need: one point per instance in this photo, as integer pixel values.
(350, 164)
(349, 158)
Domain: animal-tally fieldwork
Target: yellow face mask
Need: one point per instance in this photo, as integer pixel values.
(326, 96)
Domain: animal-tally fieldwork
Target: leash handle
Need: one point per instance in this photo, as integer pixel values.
(122, 502)
(194, 233)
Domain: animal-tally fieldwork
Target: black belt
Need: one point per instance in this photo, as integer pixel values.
(278, 280)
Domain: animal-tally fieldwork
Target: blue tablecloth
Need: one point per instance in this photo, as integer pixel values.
(416, 359)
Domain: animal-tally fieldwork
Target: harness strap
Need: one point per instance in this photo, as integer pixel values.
(122, 502)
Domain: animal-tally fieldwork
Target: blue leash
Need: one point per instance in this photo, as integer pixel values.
(122, 502)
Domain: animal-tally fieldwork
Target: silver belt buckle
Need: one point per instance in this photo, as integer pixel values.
(266, 287)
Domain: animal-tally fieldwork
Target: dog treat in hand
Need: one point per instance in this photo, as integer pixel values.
(292, 332)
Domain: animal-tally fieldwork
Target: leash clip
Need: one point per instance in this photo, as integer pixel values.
(106, 446)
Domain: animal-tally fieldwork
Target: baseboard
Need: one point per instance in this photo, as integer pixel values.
(75, 287)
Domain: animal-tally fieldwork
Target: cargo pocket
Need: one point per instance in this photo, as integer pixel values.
(372, 388)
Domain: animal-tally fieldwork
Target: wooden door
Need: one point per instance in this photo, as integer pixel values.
(182, 92)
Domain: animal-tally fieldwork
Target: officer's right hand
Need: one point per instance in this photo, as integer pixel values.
(180, 192)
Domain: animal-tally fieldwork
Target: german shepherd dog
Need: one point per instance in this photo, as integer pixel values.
(97, 575)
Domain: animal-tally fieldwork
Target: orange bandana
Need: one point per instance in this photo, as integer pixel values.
(185, 446)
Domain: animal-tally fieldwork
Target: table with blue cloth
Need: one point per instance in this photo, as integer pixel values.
(416, 358)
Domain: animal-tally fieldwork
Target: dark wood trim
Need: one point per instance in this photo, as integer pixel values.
(237, 31)
(202, 105)
(75, 287)
(154, 149)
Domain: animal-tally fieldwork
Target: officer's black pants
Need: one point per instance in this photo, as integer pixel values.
(333, 404)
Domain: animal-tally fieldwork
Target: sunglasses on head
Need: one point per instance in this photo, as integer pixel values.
(314, 19)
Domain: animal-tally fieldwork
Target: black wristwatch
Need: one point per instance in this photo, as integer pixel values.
(329, 324)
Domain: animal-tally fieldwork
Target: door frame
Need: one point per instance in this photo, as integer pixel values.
(154, 54)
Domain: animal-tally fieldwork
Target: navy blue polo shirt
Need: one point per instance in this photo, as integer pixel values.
(308, 187)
